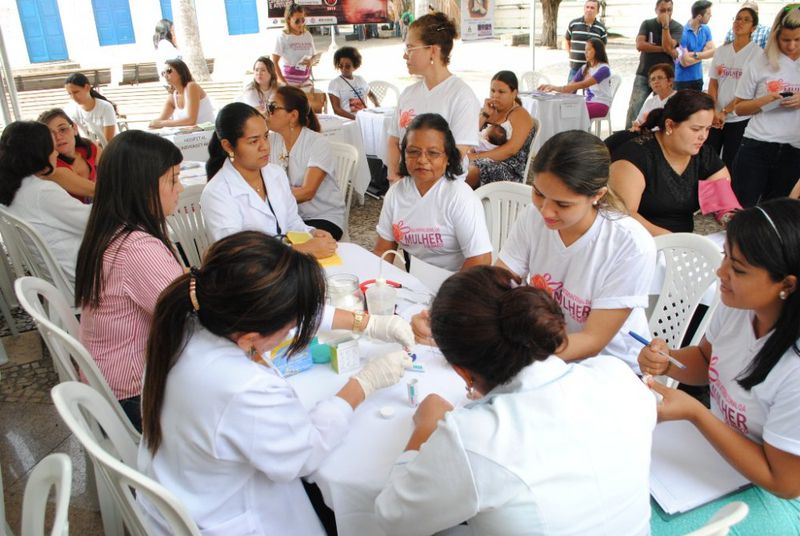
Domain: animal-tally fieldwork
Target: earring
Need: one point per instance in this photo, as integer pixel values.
(669, 132)
(472, 394)
(230, 155)
(783, 295)
(431, 61)
(594, 204)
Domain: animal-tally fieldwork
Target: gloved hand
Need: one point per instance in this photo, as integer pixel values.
(383, 371)
(390, 328)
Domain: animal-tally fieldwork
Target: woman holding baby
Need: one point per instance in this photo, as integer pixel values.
(507, 130)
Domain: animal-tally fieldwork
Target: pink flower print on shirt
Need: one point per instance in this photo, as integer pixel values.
(406, 116)
(399, 231)
(713, 375)
(574, 306)
(720, 71)
(545, 282)
(774, 86)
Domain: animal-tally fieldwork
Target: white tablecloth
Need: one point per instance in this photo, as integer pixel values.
(193, 145)
(556, 113)
(353, 474)
(344, 130)
(374, 124)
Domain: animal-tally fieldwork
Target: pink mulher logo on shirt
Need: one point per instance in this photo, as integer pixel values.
(723, 71)
(406, 116)
(426, 237)
(576, 307)
(774, 86)
(399, 231)
(734, 413)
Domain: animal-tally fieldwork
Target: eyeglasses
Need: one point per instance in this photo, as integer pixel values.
(409, 49)
(415, 154)
(271, 107)
(61, 131)
(658, 78)
(298, 21)
(166, 71)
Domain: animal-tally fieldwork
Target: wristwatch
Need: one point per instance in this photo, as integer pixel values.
(358, 321)
(694, 55)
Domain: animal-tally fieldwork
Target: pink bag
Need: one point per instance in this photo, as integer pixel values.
(717, 197)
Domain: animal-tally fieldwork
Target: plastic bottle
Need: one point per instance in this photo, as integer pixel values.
(381, 298)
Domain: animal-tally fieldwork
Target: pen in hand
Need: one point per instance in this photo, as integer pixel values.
(647, 343)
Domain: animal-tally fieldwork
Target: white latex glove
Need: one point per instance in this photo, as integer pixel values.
(390, 328)
(383, 371)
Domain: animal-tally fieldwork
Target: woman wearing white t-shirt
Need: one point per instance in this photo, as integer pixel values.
(594, 77)
(299, 148)
(660, 78)
(96, 115)
(427, 54)
(433, 216)
(348, 92)
(545, 447)
(188, 104)
(750, 359)
(165, 43)
(259, 90)
(245, 191)
(295, 47)
(769, 90)
(729, 62)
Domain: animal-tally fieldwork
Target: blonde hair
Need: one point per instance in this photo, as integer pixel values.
(783, 20)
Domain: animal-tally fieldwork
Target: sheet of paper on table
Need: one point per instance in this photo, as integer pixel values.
(297, 237)
(686, 471)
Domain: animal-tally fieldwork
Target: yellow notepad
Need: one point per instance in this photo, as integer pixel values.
(298, 237)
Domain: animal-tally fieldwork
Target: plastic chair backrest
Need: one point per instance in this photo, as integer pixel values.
(382, 89)
(721, 522)
(84, 411)
(616, 81)
(59, 329)
(188, 226)
(346, 157)
(691, 265)
(428, 274)
(29, 253)
(531, 152)
(529, 81)
(502, 202)
(54, 471)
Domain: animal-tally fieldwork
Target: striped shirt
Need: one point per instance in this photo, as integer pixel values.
(136, 268)
(578, 32)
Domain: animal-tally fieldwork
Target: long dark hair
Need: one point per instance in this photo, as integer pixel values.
(249, 282)
(182, 69)
(80, 141)
(127, 199)
(484, 320)
(229, 125)
(25, 149)
(600, 55)
(776, 250)
(438, 123)
(163, 31)
(80, 80)
(296, 99)
(509, 79)
(680, 107)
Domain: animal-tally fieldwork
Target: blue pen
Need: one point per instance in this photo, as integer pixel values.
(647, 343)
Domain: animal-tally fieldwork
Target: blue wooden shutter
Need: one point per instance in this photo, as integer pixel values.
(166, 9)
(41, 26)
(242, 16)
(113, 21)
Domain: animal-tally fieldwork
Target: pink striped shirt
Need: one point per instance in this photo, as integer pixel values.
(136, 268)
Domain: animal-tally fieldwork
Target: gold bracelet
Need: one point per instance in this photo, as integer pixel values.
(359, 323)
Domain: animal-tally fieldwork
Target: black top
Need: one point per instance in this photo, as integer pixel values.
(651, 30)
(669, 200)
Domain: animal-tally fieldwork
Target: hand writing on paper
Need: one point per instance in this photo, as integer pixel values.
(653, 358)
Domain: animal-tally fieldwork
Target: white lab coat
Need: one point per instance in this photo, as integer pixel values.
(236, 442)
(230, 205)
(564, 448)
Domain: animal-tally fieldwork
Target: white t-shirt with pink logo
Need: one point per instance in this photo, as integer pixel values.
(778, 125)
(443, 227)
(727, 69)
(770, 411)
(609, 267)
(453, 99)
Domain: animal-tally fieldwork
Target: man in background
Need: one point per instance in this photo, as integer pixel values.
(581, 30)
(696, 46)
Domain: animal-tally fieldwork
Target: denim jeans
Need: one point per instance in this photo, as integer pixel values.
(572, 73)
(641, 89)
(764, 170)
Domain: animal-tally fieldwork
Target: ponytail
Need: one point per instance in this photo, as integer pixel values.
(229, 125)
(96, 94)
(216, 156)
(311, 121)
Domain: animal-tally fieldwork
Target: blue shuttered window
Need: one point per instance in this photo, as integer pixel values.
(166, 10)
(41, 26)
(113, 21)
(242, 16)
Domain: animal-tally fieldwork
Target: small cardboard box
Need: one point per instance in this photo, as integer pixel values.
(345, 355)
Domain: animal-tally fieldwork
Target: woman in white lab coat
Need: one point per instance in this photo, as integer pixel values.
(546, 447)
(234, 456)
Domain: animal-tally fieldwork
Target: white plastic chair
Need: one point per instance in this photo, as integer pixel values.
(29, 253)
(346, 157)
(726, 517)
(85, 412)
(597, 123)
(529, 80)
(187, 225)
(53, 471)
(502, 202)
(431, 276)
(382, 89)
(531, 152)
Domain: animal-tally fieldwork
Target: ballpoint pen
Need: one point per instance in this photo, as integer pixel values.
(647, 343)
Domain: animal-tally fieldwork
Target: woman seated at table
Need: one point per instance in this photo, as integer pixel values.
(188, 104)
(594, 77)
(660, 77)
(76, 167)
(93, 112)
(750, 359)
(430, 213)
(507, 160)
(657, 174)
(245, 191)
(298, 147)
(348, 92)
(259, 90)
(27, 160)
(546, 447)
(235, 456)
(127, 258)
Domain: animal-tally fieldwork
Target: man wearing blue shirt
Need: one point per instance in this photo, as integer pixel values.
(696, 46)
